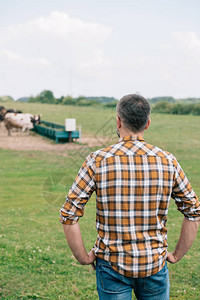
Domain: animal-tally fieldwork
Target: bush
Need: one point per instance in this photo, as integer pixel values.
(162, 107)
(182, 109)
(68, 100)
(111, 104)
(196, 109)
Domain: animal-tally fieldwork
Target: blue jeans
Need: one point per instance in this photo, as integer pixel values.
(113, 286)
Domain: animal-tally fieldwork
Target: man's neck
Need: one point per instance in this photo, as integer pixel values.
(128, 133)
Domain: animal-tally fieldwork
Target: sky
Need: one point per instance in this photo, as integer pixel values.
(100, 48)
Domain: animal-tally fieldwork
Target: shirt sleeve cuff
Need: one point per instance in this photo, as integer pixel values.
(195, 219)
(68, 221)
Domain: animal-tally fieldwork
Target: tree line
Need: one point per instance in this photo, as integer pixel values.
(167, 104)
(48, 97)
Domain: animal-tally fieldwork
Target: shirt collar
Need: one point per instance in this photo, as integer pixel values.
(131, 138)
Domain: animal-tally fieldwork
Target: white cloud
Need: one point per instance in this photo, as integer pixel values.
(183, 45)
(188, 40)
(98, 60)
(58, 25)
(55, 43)
(179, 67)
(56, 38)
(56, 30)
(20, 60)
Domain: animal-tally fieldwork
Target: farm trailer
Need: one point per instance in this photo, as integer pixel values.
(56, 132)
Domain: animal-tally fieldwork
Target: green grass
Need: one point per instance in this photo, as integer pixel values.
(36, 262)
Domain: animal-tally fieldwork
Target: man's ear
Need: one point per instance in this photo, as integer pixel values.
(119, 123)
(148, 124)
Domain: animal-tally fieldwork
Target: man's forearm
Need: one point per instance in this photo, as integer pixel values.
(186, 239)
(75, 242)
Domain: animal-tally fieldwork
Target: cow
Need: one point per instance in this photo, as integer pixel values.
(20, 120)
(1, 118)
(2, 110)
(10, 110)
(2, 113)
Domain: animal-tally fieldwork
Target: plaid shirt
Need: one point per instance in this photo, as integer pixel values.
(134, 182)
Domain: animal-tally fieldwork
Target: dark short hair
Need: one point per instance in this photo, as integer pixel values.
(134, 111)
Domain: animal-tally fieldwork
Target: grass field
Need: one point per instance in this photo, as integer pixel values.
(36, 262)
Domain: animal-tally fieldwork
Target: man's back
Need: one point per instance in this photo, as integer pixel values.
(134, 182)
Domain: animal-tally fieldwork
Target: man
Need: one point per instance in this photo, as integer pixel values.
(134, 182)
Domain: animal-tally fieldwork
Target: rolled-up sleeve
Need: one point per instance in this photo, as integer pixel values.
(184, 196)
(80, 192)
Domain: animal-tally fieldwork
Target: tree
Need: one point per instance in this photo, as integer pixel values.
(46, 97)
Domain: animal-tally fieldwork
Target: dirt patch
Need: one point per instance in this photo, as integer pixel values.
(22, 142)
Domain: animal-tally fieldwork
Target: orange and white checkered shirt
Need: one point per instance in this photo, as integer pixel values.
(134, 182)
